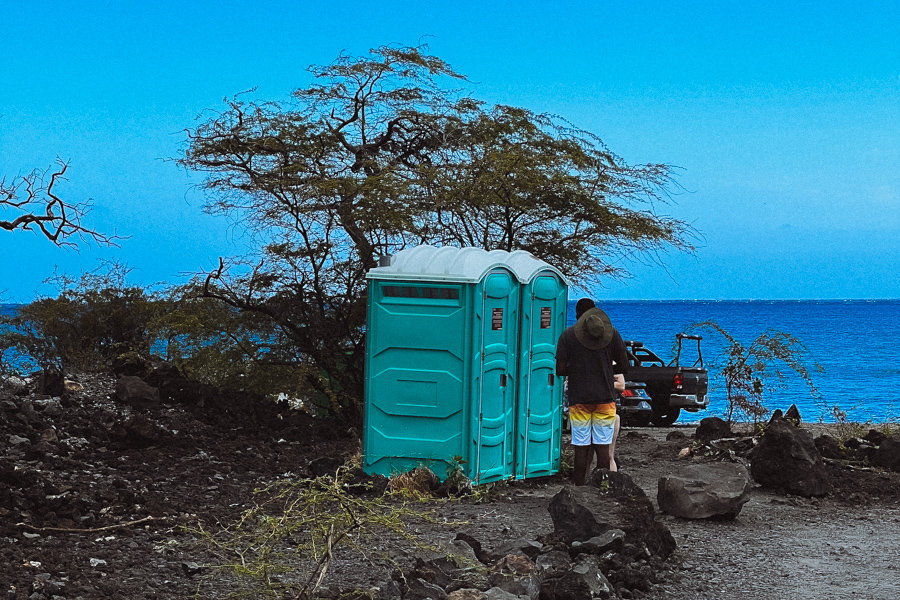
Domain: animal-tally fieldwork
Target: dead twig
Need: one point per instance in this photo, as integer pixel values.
(90, 530)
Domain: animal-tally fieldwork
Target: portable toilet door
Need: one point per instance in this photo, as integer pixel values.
(539, 426)
(441, 358)
(417, 356)
(493, 418)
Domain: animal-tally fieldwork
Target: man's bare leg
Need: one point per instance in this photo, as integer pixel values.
(603, 454)
(612, 447)
(584, 456)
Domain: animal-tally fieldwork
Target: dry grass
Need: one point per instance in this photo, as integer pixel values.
(417, 482)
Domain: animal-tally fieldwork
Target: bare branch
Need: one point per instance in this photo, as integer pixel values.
(38, 208)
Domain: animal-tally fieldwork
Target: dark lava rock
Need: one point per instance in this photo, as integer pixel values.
(712, 428)
(610, 500)
(829, 447)
(888, 453)
(787, 459)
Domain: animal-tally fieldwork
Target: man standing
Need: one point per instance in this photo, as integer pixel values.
(590, 354)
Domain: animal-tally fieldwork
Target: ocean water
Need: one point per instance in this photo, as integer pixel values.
(857, 342)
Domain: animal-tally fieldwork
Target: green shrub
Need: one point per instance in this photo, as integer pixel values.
(82, 330)
(751, 371)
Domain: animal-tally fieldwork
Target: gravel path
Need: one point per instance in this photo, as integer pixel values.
(781, 547)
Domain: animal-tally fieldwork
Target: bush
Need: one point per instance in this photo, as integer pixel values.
(284, 544)
(753, 370)
(97, 322)
(82, 330)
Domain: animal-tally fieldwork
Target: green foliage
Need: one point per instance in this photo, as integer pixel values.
(98, 319)
(379, 154)
(213, 343)
(286, 541)
(86, 327)
(567, 461)
(511, 179)
(753, 370)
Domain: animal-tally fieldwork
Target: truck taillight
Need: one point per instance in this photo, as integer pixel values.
(628, 393)
(677, 381)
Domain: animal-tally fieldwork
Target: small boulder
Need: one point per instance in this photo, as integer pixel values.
(829, 447)
(712, 428)
(473, 543)
(323, 466)
(611, 540)
(583, 580)
(793, 415)
(787, 459)
(860, 449)
(675, 436)
(73, 386)
(50, 383)
(14, 385)
(419, 589)
(141, 431)
(466, 594)
(553, 563)
(528, 547)
(515, 574)
(705, 491)
(496, 593)
(49, 435)
(135, 392)
(875, 437)
(888, 453)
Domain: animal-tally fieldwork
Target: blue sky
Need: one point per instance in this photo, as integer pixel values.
(784, 121)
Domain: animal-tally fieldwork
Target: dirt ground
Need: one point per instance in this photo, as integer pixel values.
(841, 546)
(95, 503)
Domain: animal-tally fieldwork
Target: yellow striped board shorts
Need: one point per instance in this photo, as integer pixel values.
(592, 423)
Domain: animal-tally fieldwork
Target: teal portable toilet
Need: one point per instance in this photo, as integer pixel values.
(542, 316)
(443, 359)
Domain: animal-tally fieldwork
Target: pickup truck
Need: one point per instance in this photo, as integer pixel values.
(672, 386)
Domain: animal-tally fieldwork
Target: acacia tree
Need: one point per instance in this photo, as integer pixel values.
(511, 179)
(380, 153)
(35, 206)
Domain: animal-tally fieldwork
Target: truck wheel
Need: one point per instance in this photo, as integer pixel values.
(665, 417)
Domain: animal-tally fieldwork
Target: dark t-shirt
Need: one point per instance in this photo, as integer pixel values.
(591, 373)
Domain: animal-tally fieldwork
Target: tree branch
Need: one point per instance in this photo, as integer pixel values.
(42, 210)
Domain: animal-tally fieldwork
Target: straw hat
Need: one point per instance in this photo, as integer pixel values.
(594, 329)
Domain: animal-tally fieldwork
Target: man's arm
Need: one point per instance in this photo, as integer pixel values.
(618, 353)
(561, 359)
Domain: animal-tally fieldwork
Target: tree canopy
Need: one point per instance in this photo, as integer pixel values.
(384, 151)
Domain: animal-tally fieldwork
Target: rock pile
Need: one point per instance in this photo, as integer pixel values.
(606, 543)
